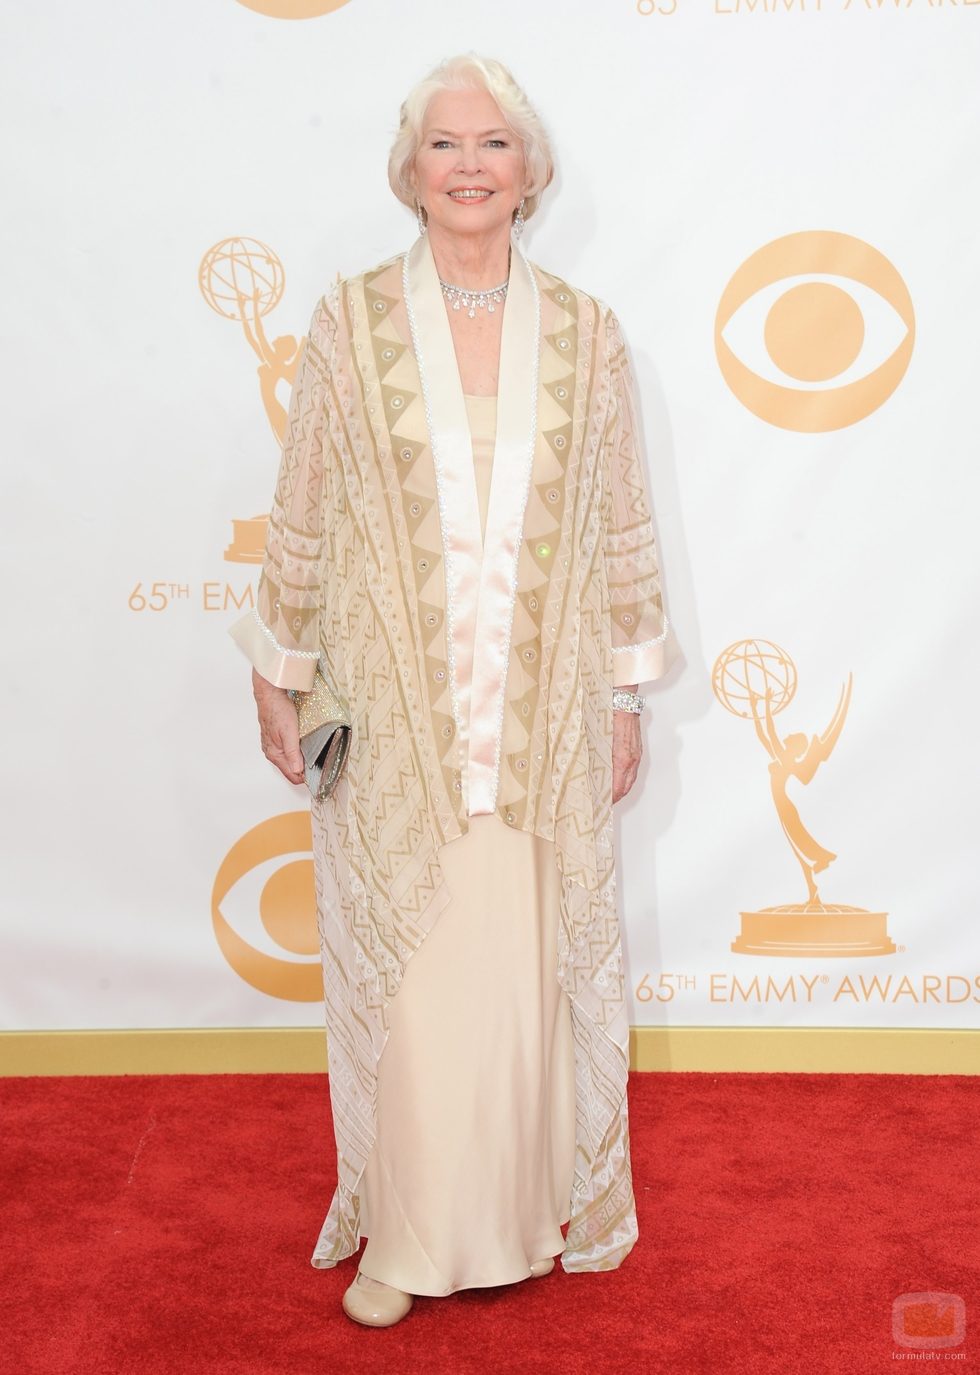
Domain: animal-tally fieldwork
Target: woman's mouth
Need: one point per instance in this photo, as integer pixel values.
(471, 193)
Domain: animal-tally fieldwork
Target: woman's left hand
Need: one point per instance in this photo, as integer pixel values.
(627, 751)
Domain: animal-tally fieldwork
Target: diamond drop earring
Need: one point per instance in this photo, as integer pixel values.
(418, 215)
(519, 220)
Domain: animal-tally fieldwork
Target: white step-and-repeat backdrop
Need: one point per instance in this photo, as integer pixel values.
(780, 201)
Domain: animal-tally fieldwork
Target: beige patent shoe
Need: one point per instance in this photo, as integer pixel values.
(375, 1304)
(542, 1267)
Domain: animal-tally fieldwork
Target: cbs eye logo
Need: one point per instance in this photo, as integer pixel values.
(293, 9)
(266, 881)
(826, 322)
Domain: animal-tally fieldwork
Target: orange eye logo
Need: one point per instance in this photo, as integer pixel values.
(824, 300)
(275, 911)
(293, 9)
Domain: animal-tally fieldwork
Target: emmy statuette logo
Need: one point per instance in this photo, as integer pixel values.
(756, 680)
(243, 280)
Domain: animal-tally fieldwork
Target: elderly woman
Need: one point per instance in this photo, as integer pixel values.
(461, 539)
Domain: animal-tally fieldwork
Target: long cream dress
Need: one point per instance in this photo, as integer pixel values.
(470, 1176)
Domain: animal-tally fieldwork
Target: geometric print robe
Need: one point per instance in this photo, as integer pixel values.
(478, 679)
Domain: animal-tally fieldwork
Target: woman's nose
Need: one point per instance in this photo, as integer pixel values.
(469, 158)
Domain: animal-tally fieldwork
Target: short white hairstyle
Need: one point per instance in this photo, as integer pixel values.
(469, 71)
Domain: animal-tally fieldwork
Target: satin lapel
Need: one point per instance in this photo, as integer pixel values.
(513, 456)
(452, 455)
(480, 577)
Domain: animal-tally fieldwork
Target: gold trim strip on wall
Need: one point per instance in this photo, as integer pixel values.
(303, 1050)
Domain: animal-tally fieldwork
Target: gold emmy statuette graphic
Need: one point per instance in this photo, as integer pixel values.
(755, 680)
(815, 330)
(248, 540)
(242, 280)
(286, 909)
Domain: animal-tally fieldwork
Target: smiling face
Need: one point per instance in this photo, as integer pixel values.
(469, 168)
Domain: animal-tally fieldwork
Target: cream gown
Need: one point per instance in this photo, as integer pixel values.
(470, 1176)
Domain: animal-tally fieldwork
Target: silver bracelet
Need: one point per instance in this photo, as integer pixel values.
(627, 701)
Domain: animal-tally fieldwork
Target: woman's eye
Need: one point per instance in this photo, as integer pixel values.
(447, 143)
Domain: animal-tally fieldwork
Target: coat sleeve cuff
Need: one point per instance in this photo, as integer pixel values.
(644, 663)
(285, 668)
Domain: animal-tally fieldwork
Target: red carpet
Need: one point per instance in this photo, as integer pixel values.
(165, 1223)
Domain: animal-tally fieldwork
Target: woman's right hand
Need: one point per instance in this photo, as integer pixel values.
(278, 728)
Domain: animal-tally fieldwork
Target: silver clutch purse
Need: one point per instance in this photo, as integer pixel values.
(324, 735)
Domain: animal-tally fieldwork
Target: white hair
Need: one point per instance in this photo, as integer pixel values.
(468, 71)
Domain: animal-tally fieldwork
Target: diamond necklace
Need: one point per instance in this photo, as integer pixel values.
(472, 300)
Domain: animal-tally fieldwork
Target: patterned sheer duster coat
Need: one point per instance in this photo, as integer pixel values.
(479, 677)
